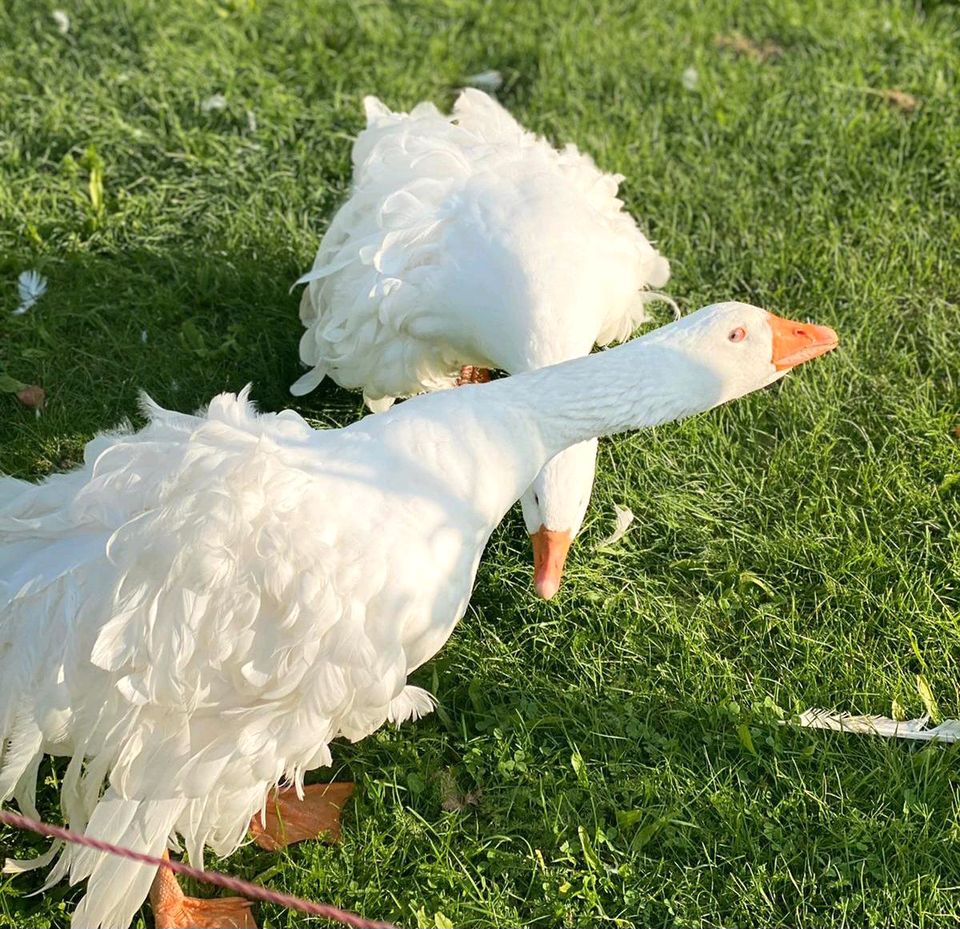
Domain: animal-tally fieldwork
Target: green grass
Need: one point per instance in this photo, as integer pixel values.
(801, 547)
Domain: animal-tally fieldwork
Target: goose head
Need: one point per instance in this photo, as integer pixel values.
(718, 353)
(728, 350)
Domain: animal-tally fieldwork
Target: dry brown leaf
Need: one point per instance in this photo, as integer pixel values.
(956, 432)
(895, 98)
(451, 800)
(899, 99)
(32, 397)
(739, 44)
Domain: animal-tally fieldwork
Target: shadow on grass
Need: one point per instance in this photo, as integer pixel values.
(182, 326)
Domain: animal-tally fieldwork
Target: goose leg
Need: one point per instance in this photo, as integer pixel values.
(473, 375)
(172, 909)
(290, 819)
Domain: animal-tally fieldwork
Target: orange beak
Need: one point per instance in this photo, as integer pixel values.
(794, 343)
(550, 549)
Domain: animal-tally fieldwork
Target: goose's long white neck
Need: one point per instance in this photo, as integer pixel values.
(504, 432)
(644, 383)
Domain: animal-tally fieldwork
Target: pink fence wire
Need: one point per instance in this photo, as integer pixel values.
(233, 884)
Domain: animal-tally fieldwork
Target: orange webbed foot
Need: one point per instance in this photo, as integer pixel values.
(172, 909)
(290, 819)
(469, 374)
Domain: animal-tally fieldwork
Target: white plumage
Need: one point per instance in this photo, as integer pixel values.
(467, 240)
(197, 611)
(190, 612)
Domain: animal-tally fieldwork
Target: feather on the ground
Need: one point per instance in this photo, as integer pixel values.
(624, 518)
(31, 286)
(913, 729)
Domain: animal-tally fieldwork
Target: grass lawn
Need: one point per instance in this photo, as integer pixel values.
(614, 756)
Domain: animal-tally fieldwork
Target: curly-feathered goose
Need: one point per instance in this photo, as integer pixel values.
(196, 612)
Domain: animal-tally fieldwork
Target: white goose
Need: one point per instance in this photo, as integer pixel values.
(196, 612)
(467, 244)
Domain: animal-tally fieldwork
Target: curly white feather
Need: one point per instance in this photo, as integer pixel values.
(413, 703)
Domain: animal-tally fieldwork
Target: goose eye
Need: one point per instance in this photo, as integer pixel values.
(738, 334)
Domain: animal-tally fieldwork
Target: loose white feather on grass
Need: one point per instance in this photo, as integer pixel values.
(62, 19)
(912, 729)
(214, 103)
(490, 81)
(31, 287)
(624, 517)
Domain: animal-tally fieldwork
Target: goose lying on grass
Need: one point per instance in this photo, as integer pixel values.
(194, 614)
(468, 244)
